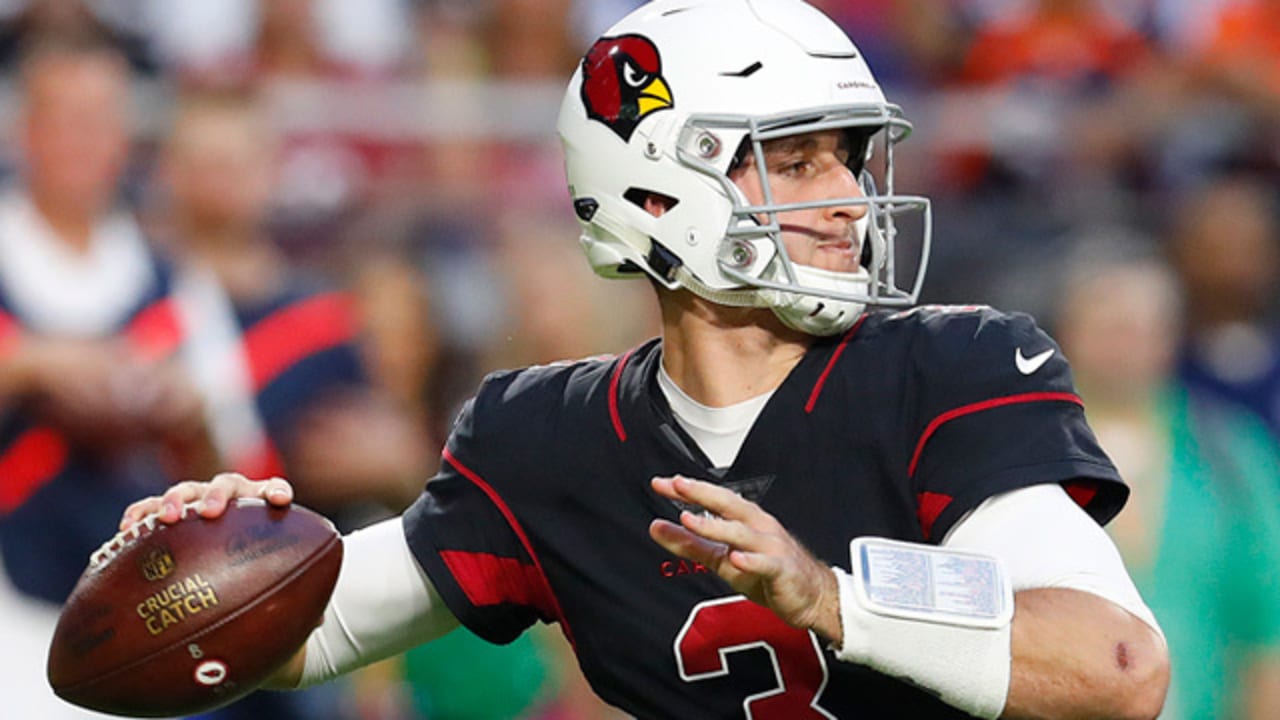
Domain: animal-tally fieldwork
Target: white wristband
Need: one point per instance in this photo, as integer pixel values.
(935, 617)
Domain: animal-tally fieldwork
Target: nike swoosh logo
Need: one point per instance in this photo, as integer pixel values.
(1028, 365)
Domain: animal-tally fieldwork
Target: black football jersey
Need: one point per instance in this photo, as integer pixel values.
(896, 429)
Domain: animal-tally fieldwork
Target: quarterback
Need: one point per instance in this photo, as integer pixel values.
(807, 498)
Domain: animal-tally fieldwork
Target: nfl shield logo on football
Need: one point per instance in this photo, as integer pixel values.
(157, 564)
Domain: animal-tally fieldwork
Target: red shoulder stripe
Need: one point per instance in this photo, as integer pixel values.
(959, 412)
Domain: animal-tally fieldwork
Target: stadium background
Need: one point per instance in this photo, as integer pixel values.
(417, 165)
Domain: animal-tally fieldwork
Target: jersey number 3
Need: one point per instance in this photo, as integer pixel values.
(716, 628)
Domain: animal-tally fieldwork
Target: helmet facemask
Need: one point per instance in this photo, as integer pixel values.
(753, 252)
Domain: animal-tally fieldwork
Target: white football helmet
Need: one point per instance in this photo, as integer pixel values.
(666, 102)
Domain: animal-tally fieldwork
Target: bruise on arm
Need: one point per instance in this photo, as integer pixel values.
(1076, 654)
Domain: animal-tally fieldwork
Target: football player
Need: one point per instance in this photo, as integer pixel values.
(804, 500)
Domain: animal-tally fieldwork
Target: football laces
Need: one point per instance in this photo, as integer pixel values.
(145, 526)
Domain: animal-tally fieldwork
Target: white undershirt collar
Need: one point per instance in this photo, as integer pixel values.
(719, 431)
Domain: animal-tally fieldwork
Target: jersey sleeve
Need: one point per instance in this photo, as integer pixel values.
(996, 409)
(469, 543)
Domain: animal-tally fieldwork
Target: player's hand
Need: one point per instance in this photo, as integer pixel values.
(210, 497)
(750, 550)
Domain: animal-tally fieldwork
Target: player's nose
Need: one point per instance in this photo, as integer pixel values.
(842, 184)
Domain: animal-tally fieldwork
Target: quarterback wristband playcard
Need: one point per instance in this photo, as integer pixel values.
(931, 584)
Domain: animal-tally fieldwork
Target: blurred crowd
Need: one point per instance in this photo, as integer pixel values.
(290, 236)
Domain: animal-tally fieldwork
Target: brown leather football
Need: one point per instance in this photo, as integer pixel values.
(177, 619)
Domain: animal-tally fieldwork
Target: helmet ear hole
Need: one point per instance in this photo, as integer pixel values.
(651, 201)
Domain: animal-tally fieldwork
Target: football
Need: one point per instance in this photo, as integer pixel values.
(177, 619)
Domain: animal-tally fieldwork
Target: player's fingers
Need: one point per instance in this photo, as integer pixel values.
(679, 541)
(720, 500)
(177, 496)
(226, 487)
(275, 490)
(215, 494)
(210, 498)
(732, 533)
(137, 510)
(679, 487)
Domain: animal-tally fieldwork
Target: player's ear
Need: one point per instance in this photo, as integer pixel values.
(654, 203)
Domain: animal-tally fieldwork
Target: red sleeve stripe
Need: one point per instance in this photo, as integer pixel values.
(155, 332)
(34, 458)
(822, 379)
(539, 588)
(929, 506)
(950, 415)
(614, 415)
(489, 579)
(277, 342)
(1082, 491)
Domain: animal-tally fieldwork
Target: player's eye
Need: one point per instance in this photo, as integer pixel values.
(794, 166)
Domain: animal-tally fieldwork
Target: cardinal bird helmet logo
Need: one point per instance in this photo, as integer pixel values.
(622, 82)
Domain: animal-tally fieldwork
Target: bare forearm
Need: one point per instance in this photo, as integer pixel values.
(1076, 655)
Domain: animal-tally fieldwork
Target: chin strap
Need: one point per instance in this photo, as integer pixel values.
(809, 314)
(819, 315)
(736, 297)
